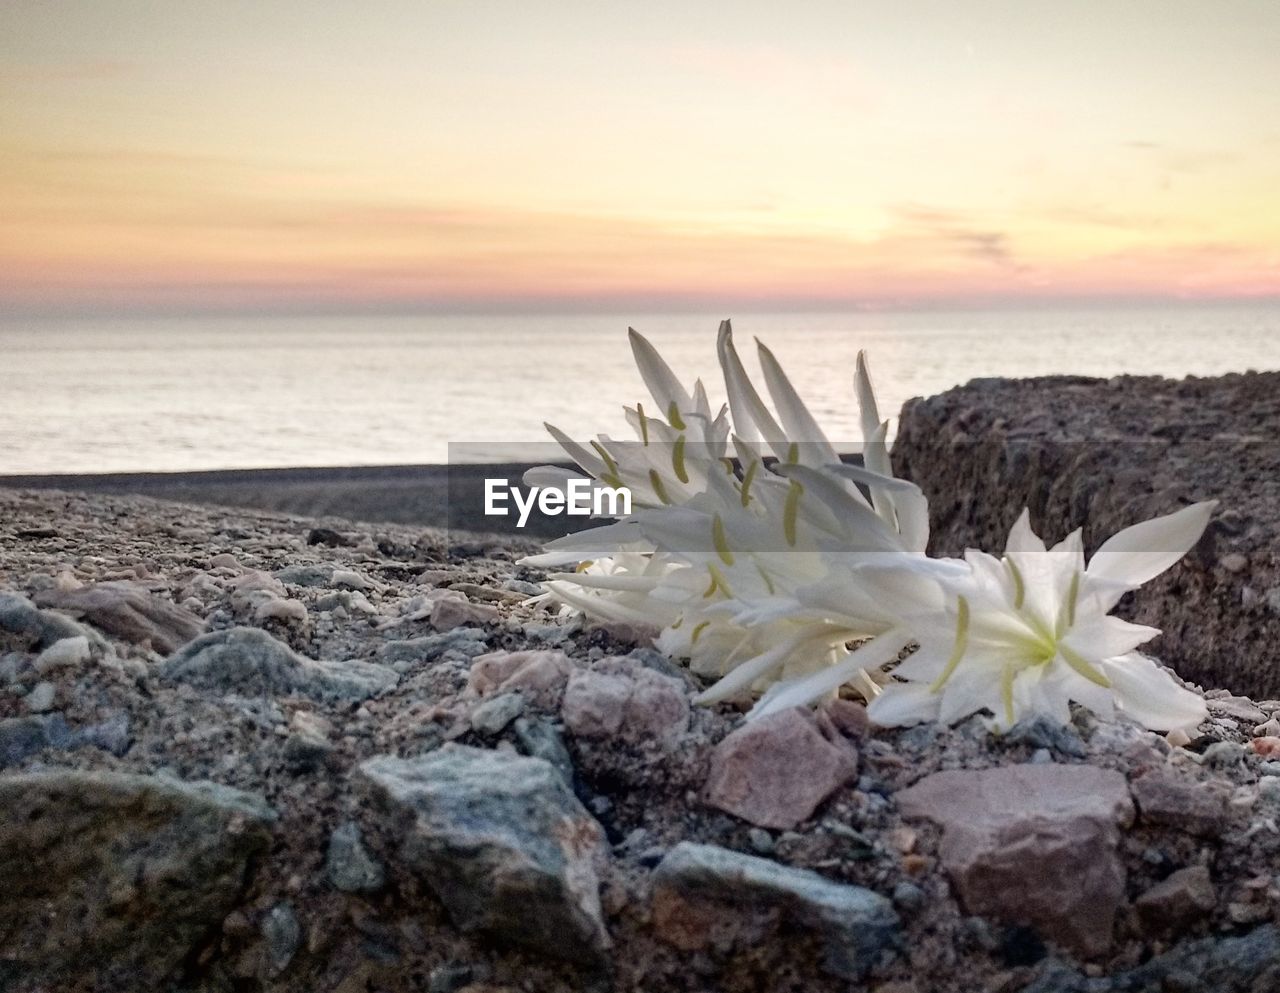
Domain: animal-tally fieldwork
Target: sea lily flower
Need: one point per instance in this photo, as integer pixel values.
(780, 572)
(730, 544)
(1032, 631)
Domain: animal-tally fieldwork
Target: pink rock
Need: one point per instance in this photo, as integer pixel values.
(624, 699)
(1177, 902)
(540, 675)
(774, 772)
(1032, 844)
(849, 717)
(1268, 747)
(1190, 806)
(128, 611)
(452, 612)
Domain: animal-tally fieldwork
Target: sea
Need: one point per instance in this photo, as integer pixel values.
(170, 394)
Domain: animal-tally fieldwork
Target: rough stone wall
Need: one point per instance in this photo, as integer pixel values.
(1107, 453)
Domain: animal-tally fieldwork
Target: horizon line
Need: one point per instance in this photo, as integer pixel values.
(613, 306)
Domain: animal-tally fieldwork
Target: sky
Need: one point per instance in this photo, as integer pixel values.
(186, 155)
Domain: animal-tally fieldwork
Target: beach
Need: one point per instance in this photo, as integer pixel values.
(369, 755)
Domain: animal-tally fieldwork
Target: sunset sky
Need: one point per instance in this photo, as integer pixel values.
(193, 155)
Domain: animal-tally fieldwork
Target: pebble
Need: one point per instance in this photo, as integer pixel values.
(495, 713)
(1221, 754)
(65, 654)
(282, 934)
(41, 698)
(448, 613)
(348, 864)
(761, 840)
(908, 896)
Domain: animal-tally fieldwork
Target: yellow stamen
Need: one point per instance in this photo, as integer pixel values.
(644, 425)
(717, 581)
(677, 460)
(583, 566)
(720, 541)
(957, 649)
(673, 415)
(747, 477)
(656, 482)
(1019, 587)
(1081, 666)
(1007, 677)
(793, 453)
(693, 637)
(1069, 614)
(790, 511)
(610, 465)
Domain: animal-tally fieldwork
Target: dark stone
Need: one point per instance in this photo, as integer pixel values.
(112, 879)
(327, 536)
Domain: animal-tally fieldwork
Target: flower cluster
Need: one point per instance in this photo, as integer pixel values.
(779, 571)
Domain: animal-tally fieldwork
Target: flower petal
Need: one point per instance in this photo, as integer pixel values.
(1150, 695)
(877, 652)
(657, 375)
(802, 430)
(904, 704)
(1107, 637)
(752, 420)
(1021, 537)
(1142, 552)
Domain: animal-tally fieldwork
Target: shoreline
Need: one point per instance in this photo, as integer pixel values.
(428, 495)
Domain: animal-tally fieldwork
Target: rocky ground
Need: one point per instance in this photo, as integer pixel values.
(249, 752)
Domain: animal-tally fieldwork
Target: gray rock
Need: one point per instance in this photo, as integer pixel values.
(115, 878)
(21, 737)
(1043, 732)
(40, 699)
(494, 714)
(501, 840)
(309, 575)
(111, 735)
(349, 865)
(249, 661)
(465, 643)
(1249, 963)
(38, 629)
(128, 611)
(1058, 977)
(449, 978)
(705, 896)
(538, 737)
(282, 934)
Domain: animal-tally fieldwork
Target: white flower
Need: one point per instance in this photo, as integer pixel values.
(728, 547)
(1029, 632)
(784, 573)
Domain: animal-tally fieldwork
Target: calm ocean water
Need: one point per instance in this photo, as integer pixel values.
(208, 393)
